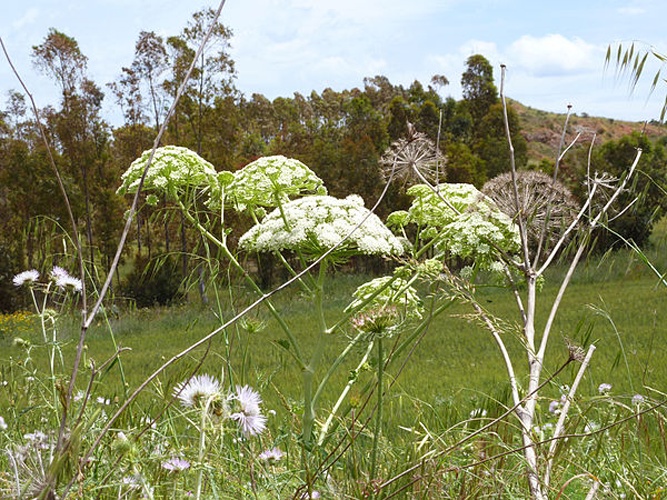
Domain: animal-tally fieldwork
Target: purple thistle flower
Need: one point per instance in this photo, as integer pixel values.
(176, 464)
(604, 388)
(26, 277)
(64, 281)
(197, 391)
(249, 418)
(272, 455)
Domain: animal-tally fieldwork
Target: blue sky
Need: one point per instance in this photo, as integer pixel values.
(554, 51)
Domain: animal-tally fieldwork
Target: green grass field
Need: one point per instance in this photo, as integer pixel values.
(615, 303)
(453, 371)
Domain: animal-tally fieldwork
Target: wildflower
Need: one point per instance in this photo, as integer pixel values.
(392, 296)
(176, 464)
(638, 399)
(133, 481)
(462, 220)
(249, 418)
(271, 181)
(173, 169)
(379, 322)
(199, 391)
(26, 277)
(316, 224)
(121, 445)
(3, 424)
(272, 455)
(64, 281)
(103, 401)
(604, 388)
(554, 407)
(38, 439)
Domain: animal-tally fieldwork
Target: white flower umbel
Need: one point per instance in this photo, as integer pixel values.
(173, 170)
(382, 293)
(315, 224)
(272, 180)
(464, 222)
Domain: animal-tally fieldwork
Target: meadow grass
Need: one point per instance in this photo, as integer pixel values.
(452, 382)
(455, 362)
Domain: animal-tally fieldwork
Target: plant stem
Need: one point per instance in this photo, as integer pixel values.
(309, 401)
(378, 413)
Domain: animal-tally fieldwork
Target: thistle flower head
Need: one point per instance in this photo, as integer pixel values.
(315, 224)
(248, 414)
(273, 455)
(200, 391)
(176, 464)
(271, 181)
(64, 281)
(26, 278)
(604, 388)
(173, 170)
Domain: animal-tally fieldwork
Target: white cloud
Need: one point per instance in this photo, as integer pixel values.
(553, 55)
(631, 11)
(633, 8)
(472, 47)
(28, 18)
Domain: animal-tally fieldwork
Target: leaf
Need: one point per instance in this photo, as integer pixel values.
(638, 70)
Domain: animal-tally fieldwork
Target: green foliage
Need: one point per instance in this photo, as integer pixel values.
(479, 90)
(10, 299)
(646, 192)
(155, 282)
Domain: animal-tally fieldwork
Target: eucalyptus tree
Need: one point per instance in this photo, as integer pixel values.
(150, 63)
(81, 134)
(478, 88)
(212, 79)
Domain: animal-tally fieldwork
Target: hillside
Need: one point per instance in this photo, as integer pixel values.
(543, 130)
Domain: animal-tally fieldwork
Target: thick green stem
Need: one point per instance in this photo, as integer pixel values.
(378, 412)
(309, 401)
(232, 259)
(351, 381)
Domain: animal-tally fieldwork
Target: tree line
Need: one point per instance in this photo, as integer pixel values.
(341, 135)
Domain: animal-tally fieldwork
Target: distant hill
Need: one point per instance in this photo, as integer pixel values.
(543, 130)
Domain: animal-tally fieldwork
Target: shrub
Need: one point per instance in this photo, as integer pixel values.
(154, 282)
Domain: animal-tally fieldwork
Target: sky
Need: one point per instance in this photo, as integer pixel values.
(554, 51)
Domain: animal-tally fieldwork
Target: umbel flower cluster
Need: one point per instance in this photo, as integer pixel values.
(173, 169)
(462, 222)
(271, 181)
(316, 224)
(456, 217)
(382, 305)
(243, 406)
